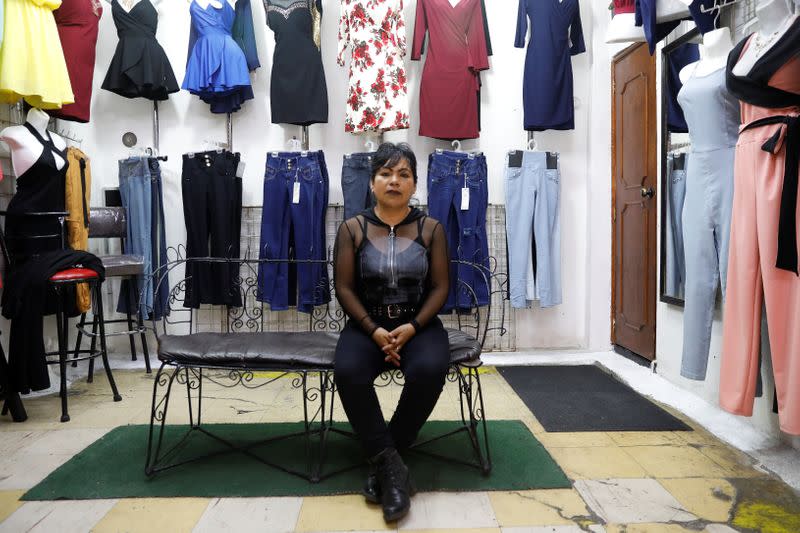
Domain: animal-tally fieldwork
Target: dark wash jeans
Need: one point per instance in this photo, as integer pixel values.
(356, 174)
(448, 174)
(292, 230)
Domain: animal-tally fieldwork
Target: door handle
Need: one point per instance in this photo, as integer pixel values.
(647, 192)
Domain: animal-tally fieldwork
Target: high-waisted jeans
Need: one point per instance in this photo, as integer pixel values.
(142, 194)
(136, 193)
(356, 174)
(532, 210)
(293, 227)
(448, 174)
(675, 272)
(212, 210)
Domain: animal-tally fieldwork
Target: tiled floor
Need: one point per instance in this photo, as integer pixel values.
(622, 481)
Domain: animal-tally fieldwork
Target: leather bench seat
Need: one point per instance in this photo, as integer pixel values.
(278, 349)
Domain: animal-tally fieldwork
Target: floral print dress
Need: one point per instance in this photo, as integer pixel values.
(374, 32)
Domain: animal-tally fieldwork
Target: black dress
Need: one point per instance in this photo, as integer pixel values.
(298, 93)
(140, 67)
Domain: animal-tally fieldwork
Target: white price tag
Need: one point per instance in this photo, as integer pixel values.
(465, 199)
(296, 193)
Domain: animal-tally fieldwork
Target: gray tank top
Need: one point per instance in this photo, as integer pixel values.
(712, 113)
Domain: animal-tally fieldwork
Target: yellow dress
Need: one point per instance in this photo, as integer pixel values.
(32, 64)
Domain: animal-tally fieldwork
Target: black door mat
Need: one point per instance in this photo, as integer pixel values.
(585, 398)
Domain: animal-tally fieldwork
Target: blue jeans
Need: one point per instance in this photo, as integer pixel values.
(135, 189)
(356, 174)
(532, 209)
(292, 230)
(158, 240)
(448, 174)
(675, 274)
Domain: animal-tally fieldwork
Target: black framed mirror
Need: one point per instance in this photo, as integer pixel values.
(674, 149)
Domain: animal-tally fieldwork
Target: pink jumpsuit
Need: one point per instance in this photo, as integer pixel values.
(758, 185)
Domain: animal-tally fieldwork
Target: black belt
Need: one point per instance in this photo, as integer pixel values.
(787, 224)
(392, 311)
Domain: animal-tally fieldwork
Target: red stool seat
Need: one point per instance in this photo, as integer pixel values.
(74, 274)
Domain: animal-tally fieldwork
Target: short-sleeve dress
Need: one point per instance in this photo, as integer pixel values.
(556, 34)
(374, 31)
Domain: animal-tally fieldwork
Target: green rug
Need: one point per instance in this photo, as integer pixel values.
(113, 466)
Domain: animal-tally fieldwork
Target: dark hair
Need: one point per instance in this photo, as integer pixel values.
(390, 154)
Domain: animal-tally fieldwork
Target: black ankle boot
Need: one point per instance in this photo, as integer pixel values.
(372, 489)
(394, 484)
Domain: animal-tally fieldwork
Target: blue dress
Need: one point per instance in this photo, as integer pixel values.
(655, 31)
(547, 88)
(216, 67)
(678, 58)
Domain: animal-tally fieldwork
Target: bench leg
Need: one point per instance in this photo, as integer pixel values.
(471, 396)
(193, 379)
(158, 415)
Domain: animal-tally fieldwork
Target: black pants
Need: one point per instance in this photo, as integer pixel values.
(212, 210)
(424, 362)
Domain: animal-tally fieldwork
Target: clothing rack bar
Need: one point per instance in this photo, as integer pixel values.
(229, 129)
(304, 138)
(155, 127)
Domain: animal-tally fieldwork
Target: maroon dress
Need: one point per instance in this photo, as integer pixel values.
(77, 22)
(448, 100)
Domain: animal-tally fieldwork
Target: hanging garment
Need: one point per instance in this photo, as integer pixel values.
(158, 242)
(141, 192)
(375, 34)
(77, 22)
(27, 297)
(458, 197)
(712, 115)
(675, 272)
(678, 58)
(77, 201)
(356, 175)
(39, 189)
(556, 34)
(298, 93)
(31, 59)
(212, 209)
(448, 101)
(533, 192)
(763, 257)
(140, 67)
(216, 67)
(244, 34)
(293, 227)
(655, 32)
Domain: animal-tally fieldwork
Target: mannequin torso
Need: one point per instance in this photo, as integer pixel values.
(774, 18)
(25, 147)
(713, 54)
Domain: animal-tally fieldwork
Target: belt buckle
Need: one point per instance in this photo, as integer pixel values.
(393, 311)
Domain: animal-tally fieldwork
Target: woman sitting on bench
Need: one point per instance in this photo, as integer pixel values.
(391, 269)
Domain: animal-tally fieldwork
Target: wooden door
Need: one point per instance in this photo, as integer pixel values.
(634, 166)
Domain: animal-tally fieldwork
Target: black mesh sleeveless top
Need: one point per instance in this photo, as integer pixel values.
(376, 264)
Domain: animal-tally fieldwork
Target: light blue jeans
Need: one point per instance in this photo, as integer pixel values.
(675, 272)
(532, 209)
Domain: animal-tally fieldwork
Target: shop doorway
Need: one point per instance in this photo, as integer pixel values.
(634, 167)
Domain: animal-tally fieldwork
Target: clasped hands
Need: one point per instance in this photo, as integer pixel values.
(391, 342)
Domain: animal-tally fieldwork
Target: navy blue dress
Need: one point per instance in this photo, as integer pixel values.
(678, 58)
(547, 88)
(655, 31)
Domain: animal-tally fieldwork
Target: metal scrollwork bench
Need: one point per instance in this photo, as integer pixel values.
(237, 349)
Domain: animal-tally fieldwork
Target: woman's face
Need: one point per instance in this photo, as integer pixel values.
(393, 186)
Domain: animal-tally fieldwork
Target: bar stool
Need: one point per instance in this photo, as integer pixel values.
(32, 244)
(112, 223)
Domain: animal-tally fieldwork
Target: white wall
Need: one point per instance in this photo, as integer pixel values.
(583, 319)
